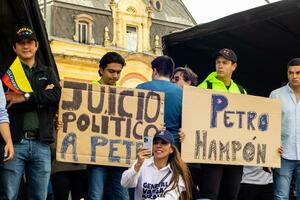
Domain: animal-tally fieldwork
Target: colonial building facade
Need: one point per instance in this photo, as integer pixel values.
(82, 31)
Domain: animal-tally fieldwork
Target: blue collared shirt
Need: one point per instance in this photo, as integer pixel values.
(3, 112)
(290, 122)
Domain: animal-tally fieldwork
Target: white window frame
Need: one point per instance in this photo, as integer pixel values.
(83, 26)
(131, 38)
(81, 20)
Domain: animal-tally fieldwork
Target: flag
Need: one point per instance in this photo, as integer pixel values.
(13, 14)
(16, 79)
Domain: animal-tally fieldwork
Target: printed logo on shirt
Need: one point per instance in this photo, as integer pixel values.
(42, 78)
(153, 191)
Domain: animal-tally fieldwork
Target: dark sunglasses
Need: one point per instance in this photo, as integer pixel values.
(176, 79)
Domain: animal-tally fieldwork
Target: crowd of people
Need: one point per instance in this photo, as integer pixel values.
(27, 127)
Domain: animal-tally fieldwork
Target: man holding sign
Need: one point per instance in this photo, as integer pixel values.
(221, 181)
(110, 67)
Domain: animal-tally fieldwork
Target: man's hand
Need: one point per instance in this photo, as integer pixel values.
(267, 169)
(9, 152)
(162, 127)
(181, 135)
(280, 150)
(49, 87)
(13, 98)
(142, 155)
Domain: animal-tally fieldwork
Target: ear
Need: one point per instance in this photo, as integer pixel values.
(234, 66)
(37, 44)
(100, 71)
(172, 149)
(14, 48)
(154, 74)
(154, 71)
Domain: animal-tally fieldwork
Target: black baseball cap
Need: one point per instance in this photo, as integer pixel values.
(165, 136)
(24, 32)
(227, 53)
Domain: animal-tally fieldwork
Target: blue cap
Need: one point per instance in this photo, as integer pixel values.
(164, 135)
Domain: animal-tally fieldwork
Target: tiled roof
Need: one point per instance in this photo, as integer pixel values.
(172, 10)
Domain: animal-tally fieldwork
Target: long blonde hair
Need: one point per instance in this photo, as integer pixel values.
(179, 168)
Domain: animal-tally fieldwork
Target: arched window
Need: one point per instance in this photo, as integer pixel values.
(131, 38)
(84, 29)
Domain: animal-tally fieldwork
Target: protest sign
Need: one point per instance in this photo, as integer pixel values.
(226, 128)
(105, 125)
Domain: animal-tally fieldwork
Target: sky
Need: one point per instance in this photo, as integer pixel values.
(208, 10)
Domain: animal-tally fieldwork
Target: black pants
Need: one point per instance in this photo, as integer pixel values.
(256, 192)
(195, 170)
(69, 181)
(220, 182)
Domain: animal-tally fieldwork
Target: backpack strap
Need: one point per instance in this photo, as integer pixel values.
(242, 90)
(208, 84)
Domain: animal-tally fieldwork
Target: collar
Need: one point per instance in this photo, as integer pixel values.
(289, 88)
(151, 163)
(212, 77)
(218, 80)
(26, 66)
(99, 82)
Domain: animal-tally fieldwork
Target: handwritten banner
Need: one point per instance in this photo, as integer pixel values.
(105, 125)
(225, 128)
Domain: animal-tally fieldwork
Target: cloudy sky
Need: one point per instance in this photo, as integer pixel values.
(209, 10)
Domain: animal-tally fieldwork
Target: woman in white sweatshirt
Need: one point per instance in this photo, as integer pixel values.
(163, 176)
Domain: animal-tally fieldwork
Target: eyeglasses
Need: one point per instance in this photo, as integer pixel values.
(176, 79)
(162, 142)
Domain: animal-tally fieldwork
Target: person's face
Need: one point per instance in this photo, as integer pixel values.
(162, 149)
(26, 49)
(111, 74)
(224, 67)
(293, 74)
(178, 79)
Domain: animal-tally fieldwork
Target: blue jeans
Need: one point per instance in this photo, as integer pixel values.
(32, 158)
(283, 176)
(98, 176)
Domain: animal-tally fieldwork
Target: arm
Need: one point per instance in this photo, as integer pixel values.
(272, 95)
(130, 176)
(49, 96)
(8, 148)
(4, 127)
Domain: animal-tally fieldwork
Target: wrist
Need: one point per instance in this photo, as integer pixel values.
(26, 96)
(9, 143)
(137, 166)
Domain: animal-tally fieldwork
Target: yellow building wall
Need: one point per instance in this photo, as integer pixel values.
(81, 62)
